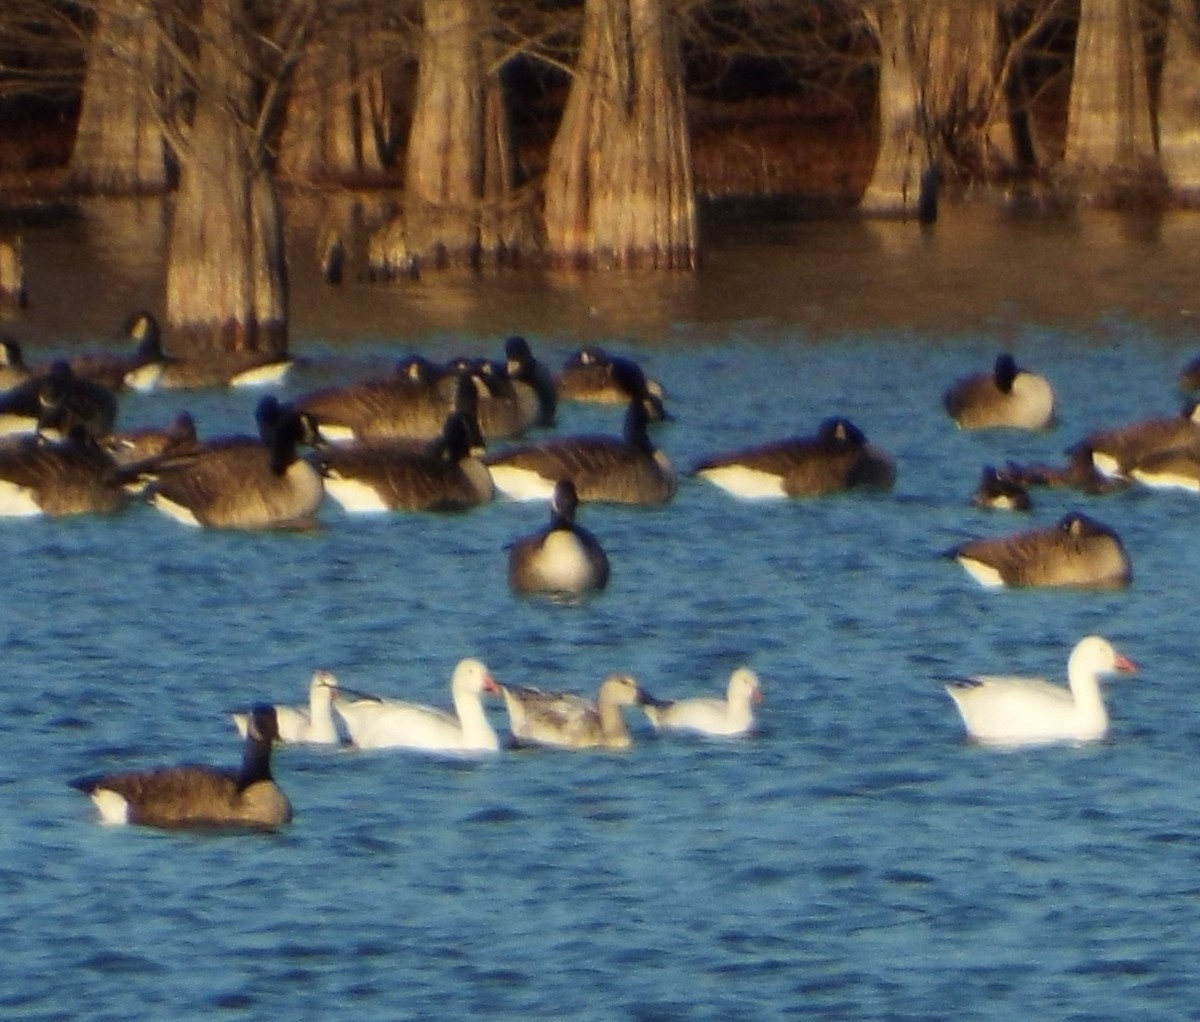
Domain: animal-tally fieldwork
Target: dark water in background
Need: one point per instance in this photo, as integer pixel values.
(855, 860)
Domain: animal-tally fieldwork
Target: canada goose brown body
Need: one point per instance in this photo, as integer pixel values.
(1115, 451)
(198, 797)
(997, 490)
(1008, 396)
(383, 475)
(593, 376)
(1076, 552)
(564, 559)
(244, 483)
(836, 458)
(1078, 473)
(566, 720)
(149, 444)
(58, 401)
(625, 470)
(1176, 468)
(56, 478)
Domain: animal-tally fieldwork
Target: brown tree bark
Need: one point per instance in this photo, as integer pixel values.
(119, 146)
(13, 296)
(619, 188)
(1110, 155)
(1179, 104)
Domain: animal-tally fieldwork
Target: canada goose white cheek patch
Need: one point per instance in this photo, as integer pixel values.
(1105, 464)
(17, 501)
(521, 483)
(747, 483)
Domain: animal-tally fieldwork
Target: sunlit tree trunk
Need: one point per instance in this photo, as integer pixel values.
(12, 275)
(1110, 155)
(619, 189)
(119, 146)
(1179, 104)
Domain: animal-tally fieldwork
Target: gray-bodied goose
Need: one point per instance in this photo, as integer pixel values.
(1115, 451)
(1078, 552)
(383, 475)
(836, 458)
(56, 478)
(563, 560)
(243, 483)
(723, 718)
(616, 470)
(199, 797)
(1008, 396)
(566, 720)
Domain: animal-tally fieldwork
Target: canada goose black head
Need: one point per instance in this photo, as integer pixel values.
(64, 399)
(459, 437)
(1000, 489)
(519, 358)
(1004, 372)
(837, 432)
(628, 376)
(563, 504)
(142, 327)
(418, 369)
(11, 356)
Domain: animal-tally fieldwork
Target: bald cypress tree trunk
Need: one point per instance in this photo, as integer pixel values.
(1110, 155)
(1179, 105)
(619, 188)
(119, 146)
(12, 274)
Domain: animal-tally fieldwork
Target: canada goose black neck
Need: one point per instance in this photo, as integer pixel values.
(563, 505)
(1005, 372)
(256, 753)
(637, 434)
(837, 432)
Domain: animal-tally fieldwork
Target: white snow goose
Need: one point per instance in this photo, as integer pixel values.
(299, 725)
(725, 718)
(1025, 711)
(375, 723)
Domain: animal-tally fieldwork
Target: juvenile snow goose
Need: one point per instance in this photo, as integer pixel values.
(383, 475)
(1027, 711)
(13, 370)
(565, 720)
(199, 797)
(374, 723)
(304, 725)
(408, 403)
(1076, 552)
(723, 718)
(1008, 396)
(71, 476)
(999, 491)
(594, 376)
(627, 470)
(1115, 451)
(243, 483)
(837, 458)
(562, 561)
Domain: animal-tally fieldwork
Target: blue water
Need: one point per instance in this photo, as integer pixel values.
(855, 859)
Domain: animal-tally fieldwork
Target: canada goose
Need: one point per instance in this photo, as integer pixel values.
(407, 403)
(1024, 711)
(1008, 396)
(383, 475)
(563, 560)
(374, 723)
(148, 444)
(1189, 375)
(836, 458)
(55, 401)
(199, 797)
(1078, 473)
(1077, 551)
(1115, 451)
(304, 725)
(56, 478)
(505, 408)
(998, 490)
(565, 720)
(532, 381)
(1175, 469)
(593, 375)
(244, 483)
(13, 370)
(728, 717)
(629, 470)
(136, 370)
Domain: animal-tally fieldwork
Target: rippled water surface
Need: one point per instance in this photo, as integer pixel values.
(855, 859)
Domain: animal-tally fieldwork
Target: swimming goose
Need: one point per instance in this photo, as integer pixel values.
(56, 478)
(1008, 396)
(1078, 551)
(148, 444)
(506, 410)
(136, 370)
(728, 717)
(838, 457)
(13, 370)
(385, 475)
(1000, 491)
(593, 375)
(374, 723)
(1189, 375)
(312, 724)
(563, 560)
(565, 720)
(1025, 711)
(409, 402)
(243, 483)
(628, 470)
(1115, 451)
(200, 797)
(1175, 469)
(1078, 473)
(532, 381)
(55, 401)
